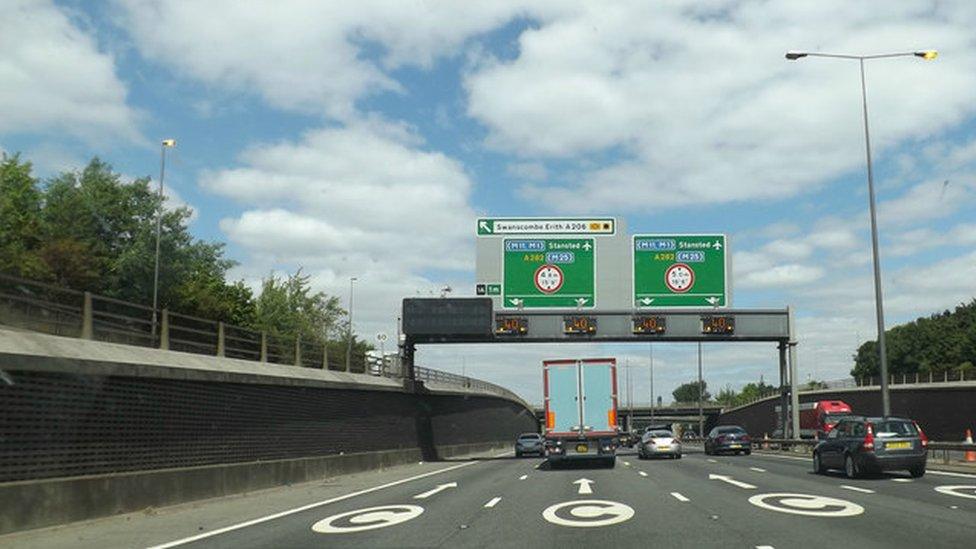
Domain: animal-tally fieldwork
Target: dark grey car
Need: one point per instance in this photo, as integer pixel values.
(529, 443)
(728, 438)
(860, 445)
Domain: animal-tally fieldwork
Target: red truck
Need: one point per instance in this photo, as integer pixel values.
(817, 418)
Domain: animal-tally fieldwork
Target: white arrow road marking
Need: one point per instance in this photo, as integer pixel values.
(732, 481)
(642, 473)
(857, 489)
(584, 486)
(679, 497)
(961, 491)
(442, 487)
(757, 469)
(523, 477)
(949, 474)
(492, 502)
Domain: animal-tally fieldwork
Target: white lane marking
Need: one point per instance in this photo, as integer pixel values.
(765, 547)
(584, 486)
(278, 515)
(901, 480)
(368, 519)
(782, 457)
(732, 481)
(949, 474)
(807, 504)
(493, 502)
(589, 513)
(627, 463)
(710, 460)
(642, 473)
(954, 491)
(857, 489)
(438, 488)
(523, 477)
(757, 469)
(679, 497)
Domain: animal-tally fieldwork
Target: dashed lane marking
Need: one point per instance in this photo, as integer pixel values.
(901, 480)
(493, 502)
(627, 463)
(679, 497)
(710, 460)
(857, 489)
(523, 477)
(642, 473)
(765, 547)
(757, 469)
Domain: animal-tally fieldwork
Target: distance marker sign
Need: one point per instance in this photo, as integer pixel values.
(548, 272)
(680, 271)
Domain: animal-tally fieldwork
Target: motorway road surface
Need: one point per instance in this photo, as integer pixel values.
(698, 501)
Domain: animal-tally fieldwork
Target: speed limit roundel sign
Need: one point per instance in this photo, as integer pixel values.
(679, 278)
(548, 278)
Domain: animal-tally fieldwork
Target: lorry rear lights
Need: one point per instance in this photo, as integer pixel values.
(550, 420)
(612, 418)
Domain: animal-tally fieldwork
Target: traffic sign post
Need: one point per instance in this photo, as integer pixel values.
(680, 271)
(548, 272)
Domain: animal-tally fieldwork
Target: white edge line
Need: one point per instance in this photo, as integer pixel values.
(679, 497)
(758, 469)
(857, 489)
(274, 516)
(492, 502)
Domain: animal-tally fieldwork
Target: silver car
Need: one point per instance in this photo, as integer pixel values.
(659, 443)
(529, 443)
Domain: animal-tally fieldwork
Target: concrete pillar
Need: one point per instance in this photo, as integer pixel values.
(783, 396)
(87, 323)
(164, 330)
(264, 346)
(794, 378)
(298, 350)
(221, 341)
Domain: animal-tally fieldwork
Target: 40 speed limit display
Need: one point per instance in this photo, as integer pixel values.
(548, 272)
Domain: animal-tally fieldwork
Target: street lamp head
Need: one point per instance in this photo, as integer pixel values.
(169, 142)
(927, 55)
(794, 55)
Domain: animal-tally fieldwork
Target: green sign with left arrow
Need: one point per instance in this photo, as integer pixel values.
(548, 272)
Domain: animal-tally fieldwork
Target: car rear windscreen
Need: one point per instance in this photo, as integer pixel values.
(890, 428)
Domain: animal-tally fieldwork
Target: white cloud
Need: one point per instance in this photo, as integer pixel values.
(703, 106)
(364, 200)
(53, 78)
(535, 171)
(783, 275)
(304, 54)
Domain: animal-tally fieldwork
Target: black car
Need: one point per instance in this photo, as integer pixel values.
(860, 445)
(728, 438)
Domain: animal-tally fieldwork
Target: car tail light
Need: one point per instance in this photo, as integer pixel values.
(720, 439)
(550, 420)
(868, 443)
(921, 435)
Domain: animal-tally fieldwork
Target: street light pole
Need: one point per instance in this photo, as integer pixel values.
(349, 328)
(166, 143)
(875, 254)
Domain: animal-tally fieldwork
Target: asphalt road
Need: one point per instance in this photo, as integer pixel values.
(698, 501)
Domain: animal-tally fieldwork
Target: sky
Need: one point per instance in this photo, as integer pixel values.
(363, 140)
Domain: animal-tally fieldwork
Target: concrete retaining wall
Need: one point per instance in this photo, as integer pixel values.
(943, 410)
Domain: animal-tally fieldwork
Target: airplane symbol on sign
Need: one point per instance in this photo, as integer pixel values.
(717, 245)
(587, 246)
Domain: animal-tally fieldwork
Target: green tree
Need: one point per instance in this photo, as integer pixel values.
(288, 307)
(755, 391)
(727, 396)
(20, 219)
(688, 392)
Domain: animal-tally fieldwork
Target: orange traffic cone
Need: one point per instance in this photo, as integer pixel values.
(765, 441)
(970, 454)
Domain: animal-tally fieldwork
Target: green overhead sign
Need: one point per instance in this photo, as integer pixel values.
(548, 272)
(680, 271)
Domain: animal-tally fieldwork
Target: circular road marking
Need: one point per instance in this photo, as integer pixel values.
(679, 278)
(548, 278)
(806, 504)
(588, 513)
(958, 491)
(367, 519)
